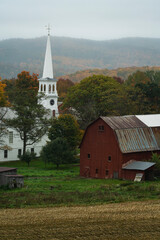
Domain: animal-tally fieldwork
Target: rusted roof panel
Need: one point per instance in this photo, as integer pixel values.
(156, 132)
(124, 122)
(137, 140)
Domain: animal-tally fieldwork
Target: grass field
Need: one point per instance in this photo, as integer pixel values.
(119, 221)
(46, 187)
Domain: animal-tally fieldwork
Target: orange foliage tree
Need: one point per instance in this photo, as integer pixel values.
(3, 98)
(62, 87)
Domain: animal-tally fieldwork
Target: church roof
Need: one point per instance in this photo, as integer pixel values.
(48, 67)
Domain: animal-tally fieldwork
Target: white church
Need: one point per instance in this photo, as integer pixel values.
(47, 85)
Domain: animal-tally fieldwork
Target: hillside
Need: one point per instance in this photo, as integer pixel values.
(119, 72)
(71, 55)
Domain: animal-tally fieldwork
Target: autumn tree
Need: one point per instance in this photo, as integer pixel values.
(3, 110)
(136, 78)
(62, 87)
(30, 117)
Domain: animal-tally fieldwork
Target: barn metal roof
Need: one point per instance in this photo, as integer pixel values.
(151, 120)
(135, 133)
(124, 122)
(138, 165)
(136, 140)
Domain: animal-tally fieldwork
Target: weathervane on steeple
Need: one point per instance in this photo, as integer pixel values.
(48, 28)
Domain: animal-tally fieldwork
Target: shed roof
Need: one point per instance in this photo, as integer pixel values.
(138, 165)
(124, 122)
(6, 169)
(16, 176)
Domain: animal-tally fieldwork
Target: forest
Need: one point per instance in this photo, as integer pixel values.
(71, 55)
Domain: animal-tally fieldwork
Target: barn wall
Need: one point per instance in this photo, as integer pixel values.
(139, 156)
(130, 174)
(101, 145)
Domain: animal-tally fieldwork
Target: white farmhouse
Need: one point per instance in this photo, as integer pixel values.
(47, 85)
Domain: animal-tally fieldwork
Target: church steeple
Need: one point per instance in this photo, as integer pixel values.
(48, 67)
(48, 84)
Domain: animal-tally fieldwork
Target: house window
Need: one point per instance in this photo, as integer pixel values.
(10, 137)
(19, 152)
(89, 155)
(32, 150)
(5, 153)
(109, 158)
(101, 128)
(96, 170)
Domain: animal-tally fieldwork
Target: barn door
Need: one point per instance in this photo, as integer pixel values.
(115, 175)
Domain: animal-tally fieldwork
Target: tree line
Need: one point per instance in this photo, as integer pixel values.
(101, 95)
(83, 102)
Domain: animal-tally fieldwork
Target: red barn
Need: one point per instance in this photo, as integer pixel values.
(120, 147)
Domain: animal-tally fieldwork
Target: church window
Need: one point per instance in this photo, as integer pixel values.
(19, 152)
(32, 150)
(49, 88)
(41, 88)
(44, 87)
(52, 88)
(10, 137)
(5, 153)
(54, 113)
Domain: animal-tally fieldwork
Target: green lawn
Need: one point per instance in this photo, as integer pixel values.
(47, 186)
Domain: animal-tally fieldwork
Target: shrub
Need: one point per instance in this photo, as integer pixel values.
(27, 157)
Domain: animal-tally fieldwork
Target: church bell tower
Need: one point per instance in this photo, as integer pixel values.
(48, 84)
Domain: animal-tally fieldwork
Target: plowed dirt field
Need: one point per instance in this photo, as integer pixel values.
(124, 221)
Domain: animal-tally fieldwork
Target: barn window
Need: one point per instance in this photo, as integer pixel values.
(19, 152)
(10, 137)
(101, 128)
(107, 172)
(96, 170)
(109, 158)
(89, 155)
(5, 153)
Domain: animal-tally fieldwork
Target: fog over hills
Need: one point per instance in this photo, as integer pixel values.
(71, 55)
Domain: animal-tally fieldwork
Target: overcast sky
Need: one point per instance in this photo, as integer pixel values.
(90, 19)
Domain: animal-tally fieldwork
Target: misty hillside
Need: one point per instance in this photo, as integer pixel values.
(71, 55)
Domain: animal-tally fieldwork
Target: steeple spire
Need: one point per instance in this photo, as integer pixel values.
(48, 84)
(48, 67)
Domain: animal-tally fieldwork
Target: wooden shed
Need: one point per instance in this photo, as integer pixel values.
(9, 177)
(111, 145)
